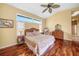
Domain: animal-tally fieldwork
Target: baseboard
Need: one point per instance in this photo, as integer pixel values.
(8, 46)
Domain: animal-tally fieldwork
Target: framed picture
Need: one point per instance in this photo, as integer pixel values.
(5, 23)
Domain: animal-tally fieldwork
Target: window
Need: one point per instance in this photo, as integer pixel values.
(27, 19)
(20, 28)
(21, 20)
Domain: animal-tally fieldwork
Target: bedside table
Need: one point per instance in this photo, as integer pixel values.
(21, 39)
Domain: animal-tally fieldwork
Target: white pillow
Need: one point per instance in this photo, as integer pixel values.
(36, 33)
(29, 33)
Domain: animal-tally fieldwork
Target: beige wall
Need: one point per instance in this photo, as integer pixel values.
(8, 35)
(43, 23)
(64, 19)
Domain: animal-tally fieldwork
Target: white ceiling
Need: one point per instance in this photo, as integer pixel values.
(36, 9)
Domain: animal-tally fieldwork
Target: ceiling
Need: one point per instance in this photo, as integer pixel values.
(36, 9)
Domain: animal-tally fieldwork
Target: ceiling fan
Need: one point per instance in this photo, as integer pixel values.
(49, 7)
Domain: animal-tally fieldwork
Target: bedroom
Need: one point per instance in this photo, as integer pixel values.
(62, 18)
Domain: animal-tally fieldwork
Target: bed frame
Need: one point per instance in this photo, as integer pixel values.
(34, 44)
(30, 30)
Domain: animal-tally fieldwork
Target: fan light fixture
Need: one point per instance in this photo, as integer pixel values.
(49, 7)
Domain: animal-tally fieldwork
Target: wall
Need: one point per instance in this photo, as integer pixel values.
(43, 24)
(64, 19)
(8, 35)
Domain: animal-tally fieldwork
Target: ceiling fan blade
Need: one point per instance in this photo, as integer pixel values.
(55, 6)
(50, 10)
(44, 5)
(50, 4)
(45, 10)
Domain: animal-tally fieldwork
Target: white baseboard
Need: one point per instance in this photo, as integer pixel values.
(8, 45)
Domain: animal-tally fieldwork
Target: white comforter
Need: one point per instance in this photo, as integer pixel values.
(42, 43)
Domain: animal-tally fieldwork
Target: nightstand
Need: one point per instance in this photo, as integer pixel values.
(20, 39)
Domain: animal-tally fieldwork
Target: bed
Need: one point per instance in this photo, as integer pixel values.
(38, 43)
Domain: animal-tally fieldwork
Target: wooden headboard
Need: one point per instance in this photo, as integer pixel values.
(30, 30)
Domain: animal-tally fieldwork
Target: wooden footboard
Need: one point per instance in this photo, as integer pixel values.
(35, 48)
(30, 43)
(32, 46)
(49, 48)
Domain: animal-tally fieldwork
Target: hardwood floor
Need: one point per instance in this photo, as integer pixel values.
(61, 48)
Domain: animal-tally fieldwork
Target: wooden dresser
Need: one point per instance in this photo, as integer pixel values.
(58, 34)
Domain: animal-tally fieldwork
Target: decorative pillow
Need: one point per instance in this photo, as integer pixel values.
(36, 33)
(29, 33)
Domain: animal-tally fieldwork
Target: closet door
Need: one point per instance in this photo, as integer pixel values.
(74, 27)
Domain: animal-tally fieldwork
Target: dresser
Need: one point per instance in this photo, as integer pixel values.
(58, 34)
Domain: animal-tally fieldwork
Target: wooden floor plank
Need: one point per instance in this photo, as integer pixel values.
(61, 48)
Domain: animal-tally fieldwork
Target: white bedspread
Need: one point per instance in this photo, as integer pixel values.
(42, 43)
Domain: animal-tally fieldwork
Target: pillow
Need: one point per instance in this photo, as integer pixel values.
(29, 33)
(36, 33)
